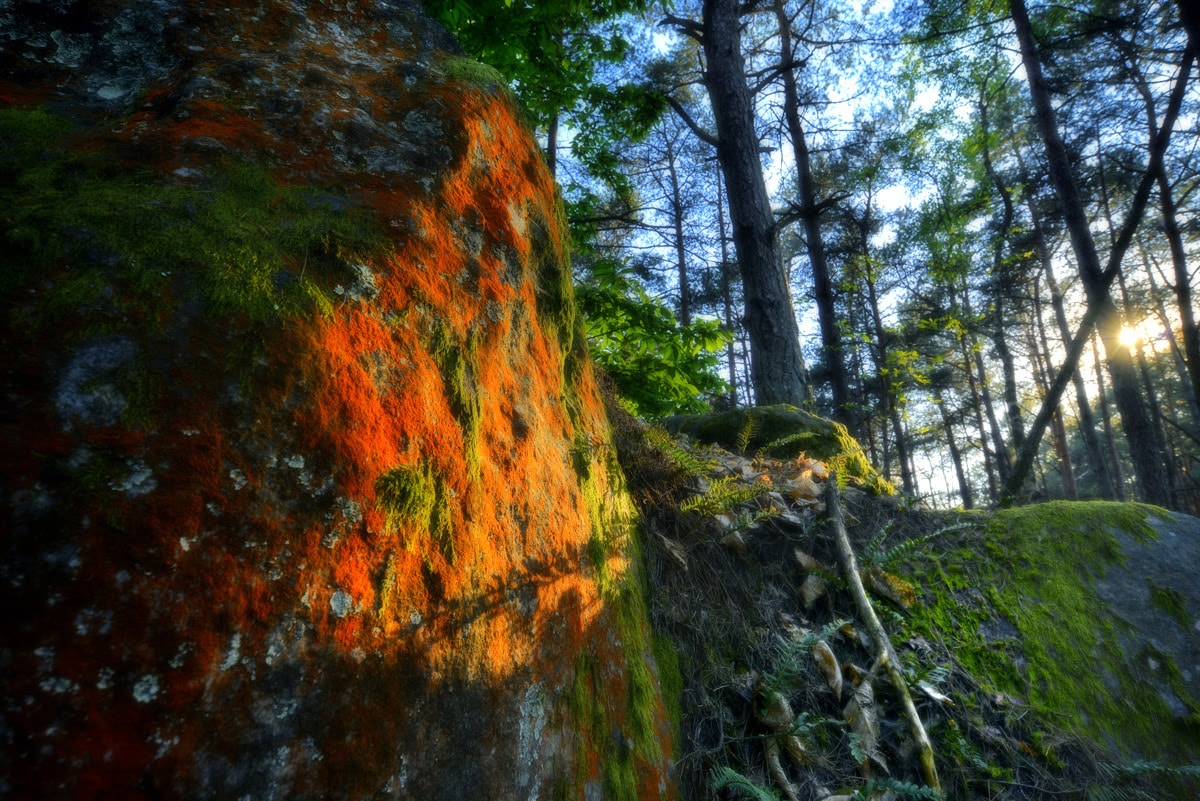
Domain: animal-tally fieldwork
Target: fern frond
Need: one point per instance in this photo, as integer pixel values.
(784, 441)
(726, 777)
(746, 433)
(682, 458)
(723, 494)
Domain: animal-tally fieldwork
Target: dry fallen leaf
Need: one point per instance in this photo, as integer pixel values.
(813, 588)
(674, 550)
(828, 663)
(861, 714)
(934, 694)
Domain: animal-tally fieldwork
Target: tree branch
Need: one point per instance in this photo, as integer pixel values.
(886, 654)
(688, 27)
(701, 134)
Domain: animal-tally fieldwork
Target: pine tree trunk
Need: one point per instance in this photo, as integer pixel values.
(1106, 415)
(777, 368)
(964, 486)
(831, 334)
(685, 292)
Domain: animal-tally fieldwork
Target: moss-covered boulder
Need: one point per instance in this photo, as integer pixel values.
(306, 488)
(1087, 614)
(784, 431)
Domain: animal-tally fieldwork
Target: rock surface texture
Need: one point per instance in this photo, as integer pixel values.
(307, 489)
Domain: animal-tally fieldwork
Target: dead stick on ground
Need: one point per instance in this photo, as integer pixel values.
(886, 653)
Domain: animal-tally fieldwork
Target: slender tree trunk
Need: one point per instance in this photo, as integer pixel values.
(891, 408)
(552, 145)
(831, 334)
(999, 451)
(1058, 428)
(1148, 466)
(1177, 356)
(778, 371)
(1109, 440)
(677, 211)
(727, 293)
(1182, 285)
(1002, 284)
(964, 486)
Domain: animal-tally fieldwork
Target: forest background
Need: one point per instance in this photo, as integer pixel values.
(965, 229)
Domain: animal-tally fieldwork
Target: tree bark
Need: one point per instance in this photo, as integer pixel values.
(1110, 441)
(727, 293)
(831, 333)
(777, 365)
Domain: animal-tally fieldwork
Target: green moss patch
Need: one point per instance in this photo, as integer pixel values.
(417, 497)
(1018, 606)
(784, 431)
(458, 362)
(244, 243)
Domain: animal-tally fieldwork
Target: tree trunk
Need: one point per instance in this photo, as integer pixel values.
(831, 334)
(552, 145)
(1058, 429)
(685, 292)
(727, 293)
(1002, 285)
(777, 367)
(1105, 415)
(964, 486)
(891, 408)
(1148, 466)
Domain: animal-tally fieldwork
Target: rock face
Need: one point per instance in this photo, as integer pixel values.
(1086, 613)
(307, 488)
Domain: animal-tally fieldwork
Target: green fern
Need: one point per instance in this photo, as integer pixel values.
(783, 442)
(726, 777)
(876, 787)
(683, 459)
(874, 555)
(746, 433)
(722, 495)
(792, 658)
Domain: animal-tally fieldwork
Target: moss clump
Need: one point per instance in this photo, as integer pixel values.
(784, 431)
(1019, 609)
(458, 362)
(416, 497)
(468, 70)
(247, 245)
(1170, 601)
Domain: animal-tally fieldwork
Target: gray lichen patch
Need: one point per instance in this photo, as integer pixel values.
(88, 391)
(341, 603)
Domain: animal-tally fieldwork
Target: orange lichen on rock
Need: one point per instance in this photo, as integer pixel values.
(313, 518)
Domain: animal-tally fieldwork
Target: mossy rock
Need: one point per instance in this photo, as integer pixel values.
(1084, 613)
(784, 431)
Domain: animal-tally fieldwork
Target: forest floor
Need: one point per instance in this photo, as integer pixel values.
(782, 693)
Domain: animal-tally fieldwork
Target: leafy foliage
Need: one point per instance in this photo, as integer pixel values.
(659, 366)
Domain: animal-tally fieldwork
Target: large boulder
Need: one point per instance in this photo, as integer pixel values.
(1086, 613)
(307, 489)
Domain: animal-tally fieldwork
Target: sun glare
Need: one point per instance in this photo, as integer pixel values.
(1128, 336)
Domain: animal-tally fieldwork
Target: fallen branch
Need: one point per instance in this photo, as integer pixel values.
(885, 653)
